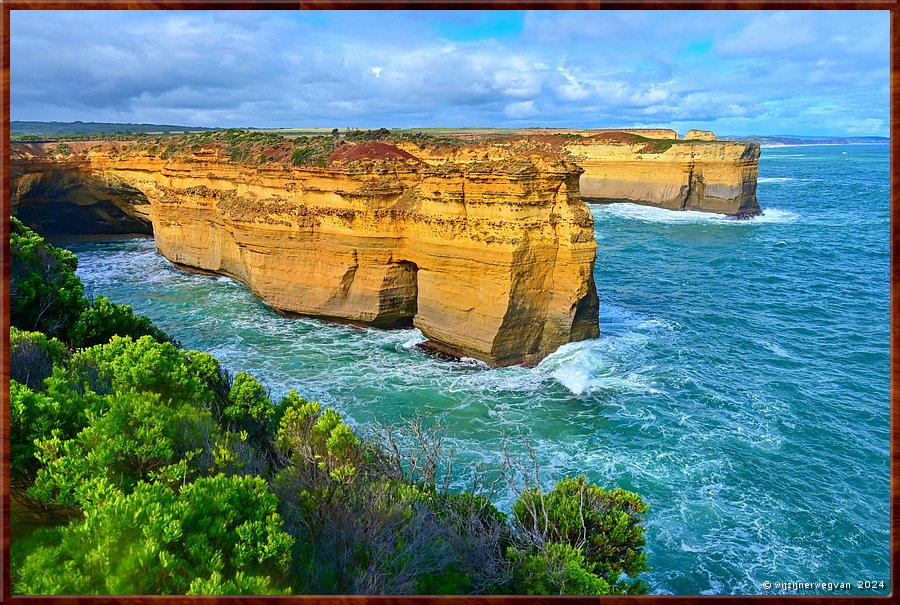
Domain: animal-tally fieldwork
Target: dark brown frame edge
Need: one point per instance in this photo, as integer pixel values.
(891, 5)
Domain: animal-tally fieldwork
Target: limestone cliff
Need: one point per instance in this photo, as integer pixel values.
(491, 258)
(715, 176)
(58, 195)
(700, 135)
(647, 167)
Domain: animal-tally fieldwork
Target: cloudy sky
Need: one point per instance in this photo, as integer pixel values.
(734, 72)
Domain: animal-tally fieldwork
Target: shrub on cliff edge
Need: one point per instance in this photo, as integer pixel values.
(105, 319)
(602, 530)
(44, 293)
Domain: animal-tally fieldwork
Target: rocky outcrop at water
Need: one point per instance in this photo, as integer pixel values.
(491, 259)
(649, 167)
(486, 246)
(705, 176)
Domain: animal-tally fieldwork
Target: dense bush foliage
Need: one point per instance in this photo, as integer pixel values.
(589, 532)
(379, 134)
(32, 356)
(46, 296)
(44, 293)
(105, 319)
(217, 535)
(35, 416)
(184, 479)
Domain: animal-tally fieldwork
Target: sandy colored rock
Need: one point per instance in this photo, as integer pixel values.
(700, 135)
(715, 176)
(491, 258)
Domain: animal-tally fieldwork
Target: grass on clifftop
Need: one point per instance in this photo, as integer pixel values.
(252, 147)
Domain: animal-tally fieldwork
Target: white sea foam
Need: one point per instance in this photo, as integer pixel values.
(415, 338)
(650, 214)
(575, 377)
(777, 350)
(774, 215)
(783, 179)
(611, 363)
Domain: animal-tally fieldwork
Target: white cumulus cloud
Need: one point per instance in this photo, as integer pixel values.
(572, 90)
(522, 109)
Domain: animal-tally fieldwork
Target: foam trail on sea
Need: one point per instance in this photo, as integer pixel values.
(650, 214)
(612, 363)
(783, 179)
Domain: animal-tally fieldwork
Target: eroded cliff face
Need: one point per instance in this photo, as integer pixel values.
(59, 196)
(491, 258)
(714, 176)
(651, 168)
(700, 135)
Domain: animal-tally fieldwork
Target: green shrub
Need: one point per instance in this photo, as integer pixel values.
(105, 319)
(37, 416)
(318, 441)
(143, 365)
(561, 570)
(605, 526)
(218, 535)
(32, 356)
(135, 438)
(45, 294)
(302, 156)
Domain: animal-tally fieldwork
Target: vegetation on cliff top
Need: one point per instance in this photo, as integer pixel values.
(176, 477)
(248, 147)
(315, 150)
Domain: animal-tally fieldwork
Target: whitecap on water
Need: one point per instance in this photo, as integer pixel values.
(591, 366)
(777, 349)
(575, 377)
(774, 215)
(650, 214)
(415, 338)
(782, 179)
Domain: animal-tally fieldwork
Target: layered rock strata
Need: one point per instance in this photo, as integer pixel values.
(491, 259)
(648, 167)
(716, 176)
(61, 197)
(700, 135)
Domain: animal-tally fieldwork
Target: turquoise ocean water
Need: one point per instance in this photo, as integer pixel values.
(740, 382)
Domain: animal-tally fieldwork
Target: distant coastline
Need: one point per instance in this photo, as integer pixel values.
(793, 141)
(31, 130)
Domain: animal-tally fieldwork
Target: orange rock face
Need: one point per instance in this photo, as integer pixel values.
(715, 176)
(700, 135)
(651, 168)
(491, 258)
